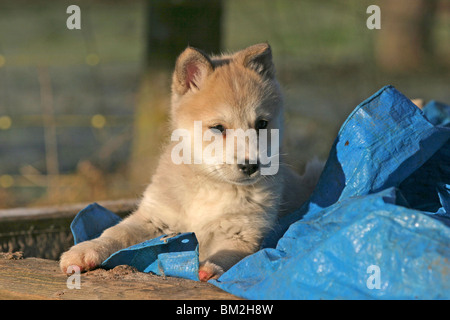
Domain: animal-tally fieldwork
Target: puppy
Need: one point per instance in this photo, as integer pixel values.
(230, 205)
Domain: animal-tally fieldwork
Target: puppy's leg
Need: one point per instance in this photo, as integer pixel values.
(224, 254)
(209, 270)
(214, 266)
(88, 255)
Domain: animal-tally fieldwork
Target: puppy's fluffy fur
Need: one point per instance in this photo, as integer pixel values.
(229, 210)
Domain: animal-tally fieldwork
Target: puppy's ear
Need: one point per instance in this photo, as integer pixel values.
(191, 69)
(258, 58)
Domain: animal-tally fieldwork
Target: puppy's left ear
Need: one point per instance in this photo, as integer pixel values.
(258, 58)
(191, 69)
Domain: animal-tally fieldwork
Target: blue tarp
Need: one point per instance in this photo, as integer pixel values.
(167, 255)
(376, 227)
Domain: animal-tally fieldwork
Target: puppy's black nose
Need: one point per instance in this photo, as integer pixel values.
(248, 168)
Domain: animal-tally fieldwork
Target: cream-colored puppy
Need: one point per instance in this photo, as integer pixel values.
(229, 205)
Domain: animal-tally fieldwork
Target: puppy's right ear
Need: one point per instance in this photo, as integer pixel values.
(191, 69)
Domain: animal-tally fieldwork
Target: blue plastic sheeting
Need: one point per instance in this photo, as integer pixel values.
(168, 255)
(376, 227)
(334, 254)
(175, 256)
(90, 222)
(377, 224)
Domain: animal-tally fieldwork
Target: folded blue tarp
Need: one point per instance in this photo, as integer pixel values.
(376, 227)
(173, 255)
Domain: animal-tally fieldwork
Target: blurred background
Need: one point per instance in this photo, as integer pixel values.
(83, 112)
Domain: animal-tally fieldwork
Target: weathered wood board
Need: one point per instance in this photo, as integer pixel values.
(34, 278)
(45, 232)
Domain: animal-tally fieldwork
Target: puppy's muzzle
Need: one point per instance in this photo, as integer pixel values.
(248, 168)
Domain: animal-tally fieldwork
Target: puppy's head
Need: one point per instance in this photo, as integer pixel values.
(228, 104)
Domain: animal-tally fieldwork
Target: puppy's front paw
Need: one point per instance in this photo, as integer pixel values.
(208, 271)
(86, 256)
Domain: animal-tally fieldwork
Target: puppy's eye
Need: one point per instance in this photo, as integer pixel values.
(218, 127)
(261, 124)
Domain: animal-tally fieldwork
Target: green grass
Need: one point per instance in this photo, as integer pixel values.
(300, 30)
(33, 33)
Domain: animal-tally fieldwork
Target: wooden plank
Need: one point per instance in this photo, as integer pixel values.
(34, 278)
(120, 207)
(44, 232)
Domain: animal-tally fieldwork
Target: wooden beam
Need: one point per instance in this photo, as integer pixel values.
(34, 278)
(44, 232)
(120, 207)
